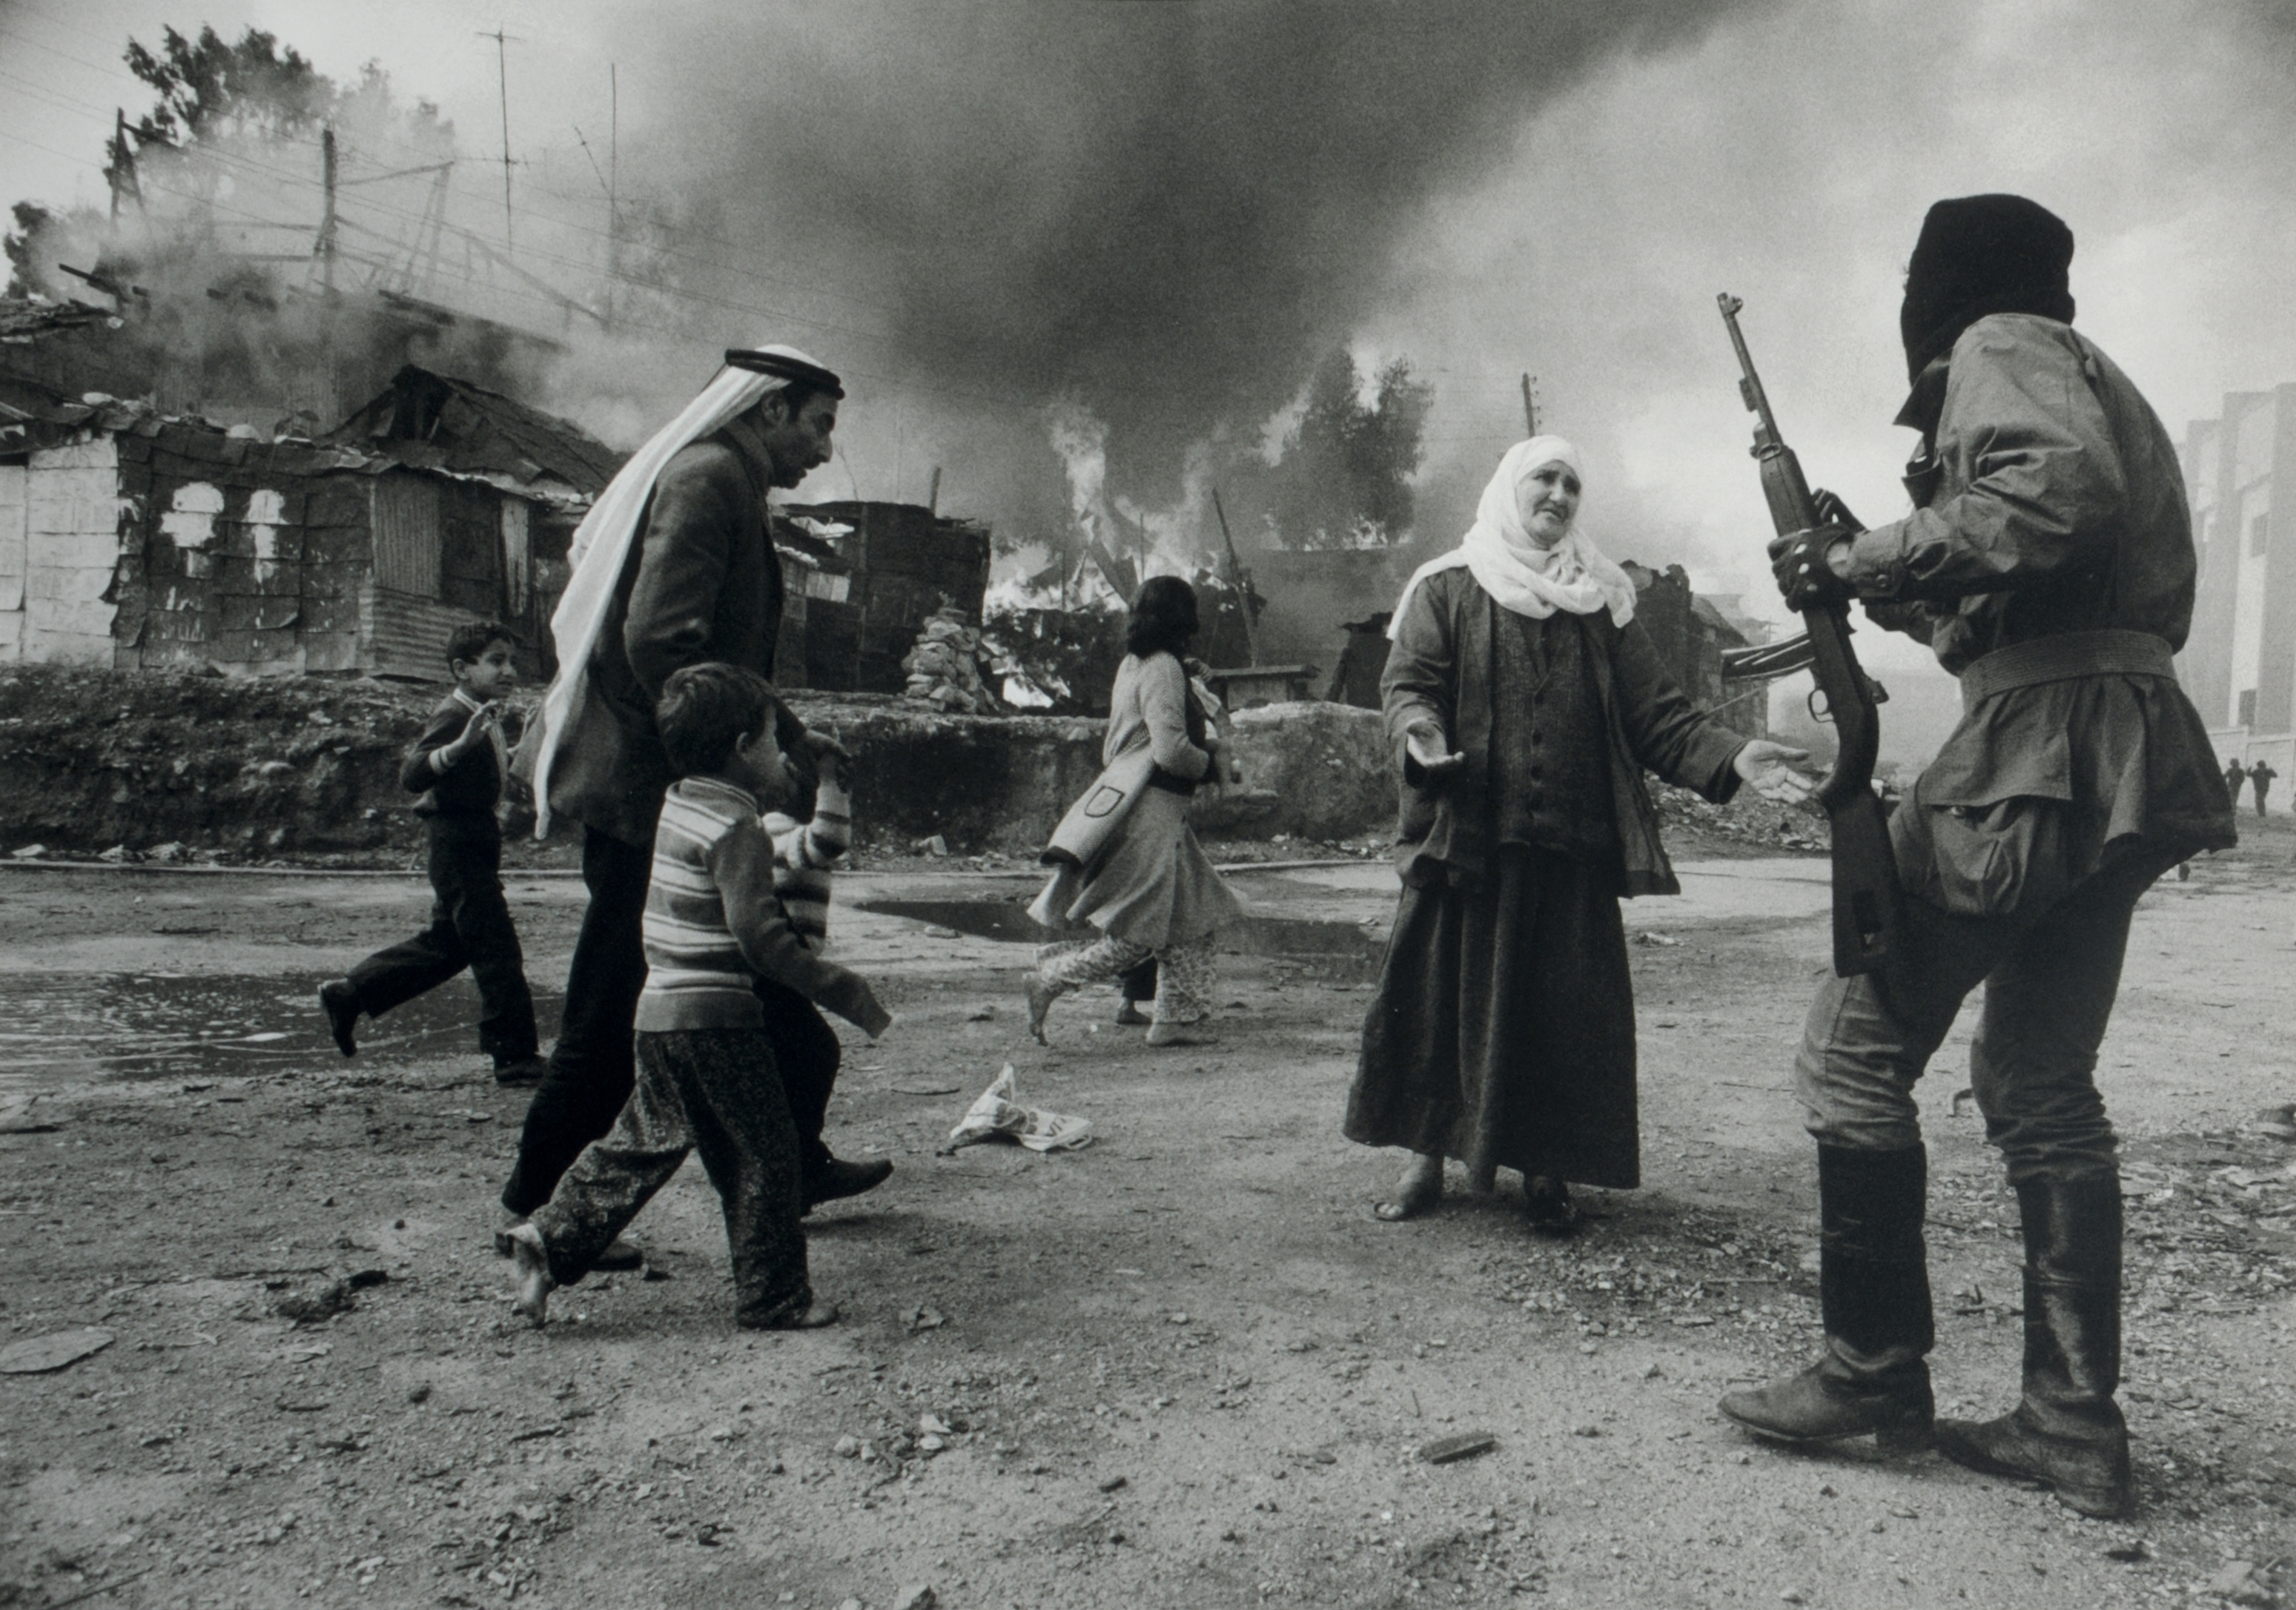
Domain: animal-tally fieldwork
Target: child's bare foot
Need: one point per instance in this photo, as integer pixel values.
(1041, 996)
(534, 1282)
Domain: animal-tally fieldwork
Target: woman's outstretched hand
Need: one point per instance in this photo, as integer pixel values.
(1431, 752)
(1770, 767)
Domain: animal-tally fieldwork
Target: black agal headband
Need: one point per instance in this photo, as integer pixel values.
(782, 366)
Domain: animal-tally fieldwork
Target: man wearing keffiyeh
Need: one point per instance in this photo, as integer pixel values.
(674, 566)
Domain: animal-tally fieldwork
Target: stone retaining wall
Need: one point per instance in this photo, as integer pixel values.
(265, 766)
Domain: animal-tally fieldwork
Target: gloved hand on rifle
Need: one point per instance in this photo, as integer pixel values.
(1813, 565)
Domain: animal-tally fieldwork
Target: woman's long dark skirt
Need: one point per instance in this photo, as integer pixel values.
(1503, 1029)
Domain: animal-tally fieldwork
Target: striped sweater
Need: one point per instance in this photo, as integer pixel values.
(805, 854)
(713, 923)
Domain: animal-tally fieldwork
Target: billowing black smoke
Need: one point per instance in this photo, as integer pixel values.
(1166, 211)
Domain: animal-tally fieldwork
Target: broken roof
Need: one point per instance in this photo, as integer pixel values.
(28, 425)
(435, 421)
(25, 320)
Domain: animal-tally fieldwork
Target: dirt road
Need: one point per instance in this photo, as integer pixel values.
(1183, 1367)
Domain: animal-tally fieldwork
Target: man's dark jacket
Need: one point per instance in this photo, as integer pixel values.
(701, 583)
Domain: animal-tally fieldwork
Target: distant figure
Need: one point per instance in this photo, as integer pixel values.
(1153, 893)
(1355, 680)
(2260, 777)
(1524, 702)
(2235, 779)
(456, 766)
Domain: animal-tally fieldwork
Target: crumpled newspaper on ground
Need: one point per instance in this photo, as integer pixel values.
(998, 1115)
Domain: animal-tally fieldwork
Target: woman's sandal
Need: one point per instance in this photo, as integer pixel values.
(1177, 1033)
(1422, 1188)
(1551, 1211)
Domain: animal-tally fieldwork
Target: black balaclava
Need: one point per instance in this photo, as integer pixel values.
(1979, 254)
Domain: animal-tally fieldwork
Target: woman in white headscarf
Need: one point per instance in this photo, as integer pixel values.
(1525, 702)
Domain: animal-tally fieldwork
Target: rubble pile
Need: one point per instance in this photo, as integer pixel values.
(945, 667)
(1748, 821)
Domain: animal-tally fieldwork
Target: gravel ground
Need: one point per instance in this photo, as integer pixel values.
(1182, 1366)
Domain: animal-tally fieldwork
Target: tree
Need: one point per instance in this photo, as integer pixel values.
(208, 88)
(216, 98)
(1344, 479)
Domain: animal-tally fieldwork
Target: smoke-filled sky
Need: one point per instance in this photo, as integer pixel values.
(1166, 211)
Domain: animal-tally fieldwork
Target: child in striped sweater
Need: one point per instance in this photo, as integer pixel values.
(707, 1080)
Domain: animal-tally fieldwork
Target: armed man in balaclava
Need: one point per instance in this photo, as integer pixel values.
(2049, 563)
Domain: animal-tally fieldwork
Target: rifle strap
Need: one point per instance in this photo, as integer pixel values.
(2062, 658)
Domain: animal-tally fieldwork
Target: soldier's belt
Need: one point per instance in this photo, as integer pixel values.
(2062, 658)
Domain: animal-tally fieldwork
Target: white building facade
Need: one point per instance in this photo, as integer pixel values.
(2239, 664)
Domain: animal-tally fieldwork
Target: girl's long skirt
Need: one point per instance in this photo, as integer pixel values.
(1502, 1033)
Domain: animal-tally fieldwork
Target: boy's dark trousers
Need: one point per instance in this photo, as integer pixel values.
(469, 927)
(591, 1068)
(715, 1092)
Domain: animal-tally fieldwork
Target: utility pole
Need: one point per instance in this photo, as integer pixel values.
(1241, 578)
(932, 498)
(123, 165)
(613, 186)
(502, 75)
(325, 250)
(1530, 407)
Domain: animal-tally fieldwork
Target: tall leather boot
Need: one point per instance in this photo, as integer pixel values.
(1874, 1292)
(2066, 1431)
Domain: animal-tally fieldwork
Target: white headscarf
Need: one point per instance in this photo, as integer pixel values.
(602, 543)
(1573, 576)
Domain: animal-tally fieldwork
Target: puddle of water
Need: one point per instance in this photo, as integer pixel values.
(64, 1029)
(1339, 950)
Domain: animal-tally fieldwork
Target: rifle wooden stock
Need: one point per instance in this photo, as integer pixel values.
(1866, 899)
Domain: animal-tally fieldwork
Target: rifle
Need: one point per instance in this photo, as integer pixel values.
(1867, 903)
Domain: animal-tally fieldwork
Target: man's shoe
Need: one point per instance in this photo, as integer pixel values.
(521, 1073)
(339, 999)
(2090, 1474)
(620, 1257)
(837, 1177)
(1825, 1404)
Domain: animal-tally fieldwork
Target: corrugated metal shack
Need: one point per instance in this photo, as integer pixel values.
(132, 538)
(429, 420)
(861, 579)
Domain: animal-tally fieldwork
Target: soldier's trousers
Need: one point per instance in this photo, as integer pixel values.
(2049, 987)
